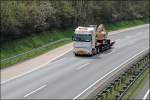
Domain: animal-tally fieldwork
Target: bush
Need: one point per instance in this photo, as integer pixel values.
(21, 18)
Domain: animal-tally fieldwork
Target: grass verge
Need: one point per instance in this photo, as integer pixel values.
(127, 83)
(22, 45)
(125, 24)
(32, 54)
(135, 88)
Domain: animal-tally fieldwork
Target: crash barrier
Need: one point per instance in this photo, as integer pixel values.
(35, 50)
(117, 88)
(101, 84)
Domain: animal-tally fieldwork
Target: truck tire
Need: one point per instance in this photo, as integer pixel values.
(98, 50)
(76, 54)
(109, 47)
(90, 54)
(94, 51)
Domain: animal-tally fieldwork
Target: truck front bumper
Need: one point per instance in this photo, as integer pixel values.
(80, 51)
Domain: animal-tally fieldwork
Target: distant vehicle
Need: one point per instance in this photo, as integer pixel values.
(91, 40)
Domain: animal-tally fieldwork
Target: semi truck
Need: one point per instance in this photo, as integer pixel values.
(91, 40)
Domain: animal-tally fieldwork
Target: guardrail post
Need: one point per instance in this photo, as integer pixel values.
(124, 87)
(100, 96)
(117, 96)
(120, 92)
(127, 84)
(137, 65)
(145, 59)
(117, 81)
(110, 88)
(133, 71)
(130, 81)
(105, 92)
(123, 77)
(112, 84)
(141, 69)
(142, 62)
(133, 77)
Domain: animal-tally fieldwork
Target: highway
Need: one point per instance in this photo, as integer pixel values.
(68, 76)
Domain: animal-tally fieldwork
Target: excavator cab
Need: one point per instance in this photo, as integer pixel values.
(101, 33)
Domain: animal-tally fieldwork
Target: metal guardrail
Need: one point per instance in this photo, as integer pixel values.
(125, 81)
(122, 94)
(104, 81)
(34, 50)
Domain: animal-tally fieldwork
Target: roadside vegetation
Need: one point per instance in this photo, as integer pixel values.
(129, 83)
(125, 24)
(29, 24)
(137, 86)
(22, 18)
(19, 46)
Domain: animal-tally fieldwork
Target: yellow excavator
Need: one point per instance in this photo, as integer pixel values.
(91, 40)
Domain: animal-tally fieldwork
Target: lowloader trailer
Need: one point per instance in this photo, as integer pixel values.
(90, 40)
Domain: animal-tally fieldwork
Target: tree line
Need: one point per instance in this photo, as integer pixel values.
(21, 18)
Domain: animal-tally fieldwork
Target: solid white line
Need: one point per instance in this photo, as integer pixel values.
(82, 66)
(57, 60)
(108, 74)
(35, 91)
(64, 54)
(36, 67)
(145, 96)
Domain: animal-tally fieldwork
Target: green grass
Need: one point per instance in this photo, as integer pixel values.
(28, 43)
(135, 88)
(19, 46)
(118, 88)
(22, 45)
(32, 54)
(125, 24)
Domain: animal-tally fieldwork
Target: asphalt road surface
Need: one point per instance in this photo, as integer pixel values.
(68, 76)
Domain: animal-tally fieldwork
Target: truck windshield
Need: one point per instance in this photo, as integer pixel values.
(83, 38)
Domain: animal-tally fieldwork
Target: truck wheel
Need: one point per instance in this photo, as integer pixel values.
(102, 49)
(98, 50)
(94, 52)
(76, 54)
(90, 54)
(109, 47)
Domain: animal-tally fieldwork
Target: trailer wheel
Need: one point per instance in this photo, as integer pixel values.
(109, 47)
(76, 54)
(98, 50)
(90, 54)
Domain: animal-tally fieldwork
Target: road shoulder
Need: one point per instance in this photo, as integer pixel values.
(35, 63)
(40, 61)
